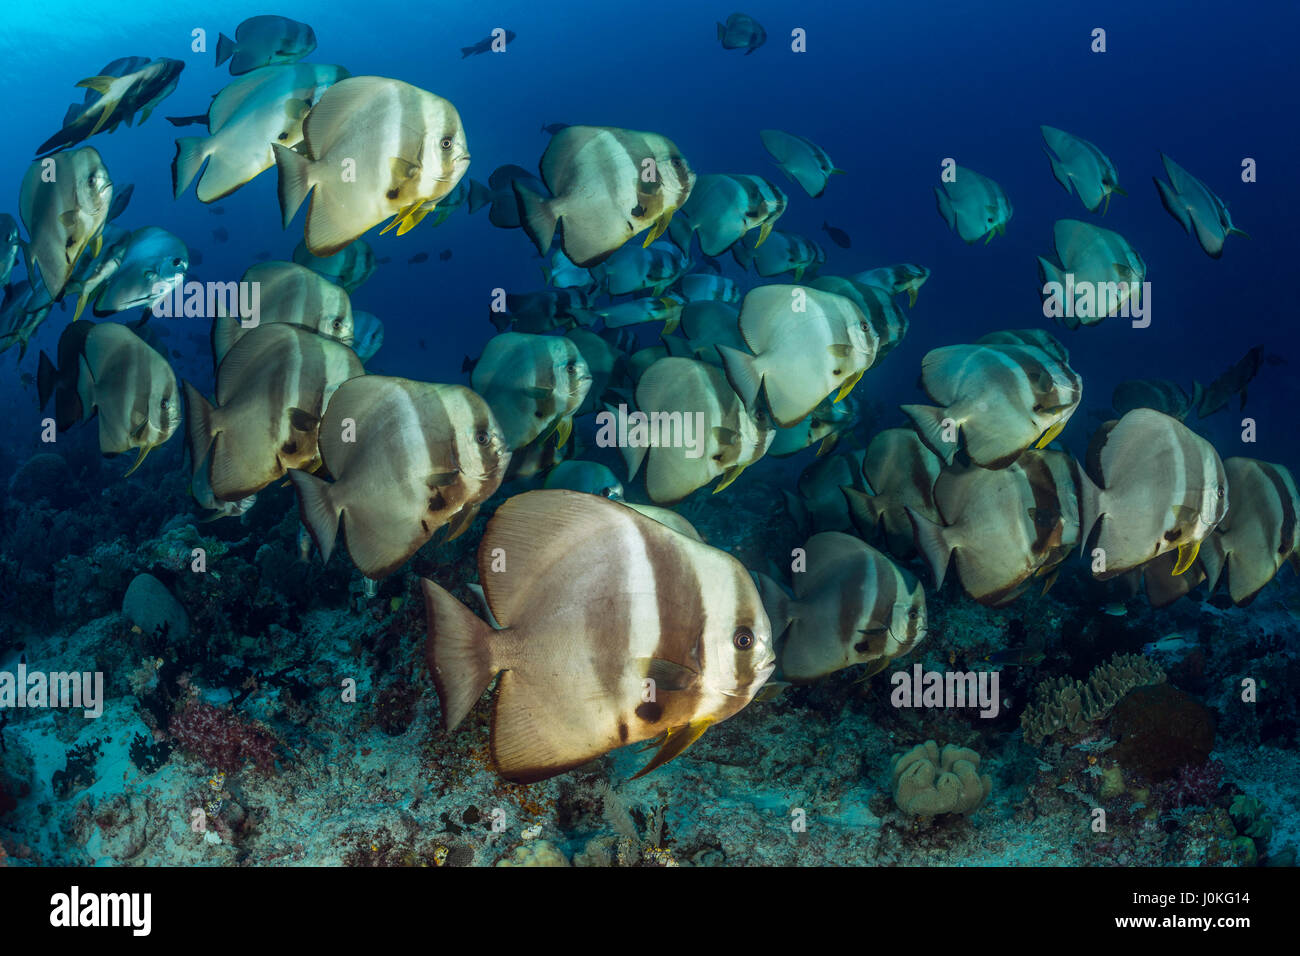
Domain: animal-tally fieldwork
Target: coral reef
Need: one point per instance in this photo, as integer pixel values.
(927, 782)
(1160, 730)
(1070, 705)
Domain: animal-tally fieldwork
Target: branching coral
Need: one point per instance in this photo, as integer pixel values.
(1070, 705)
(927, 782)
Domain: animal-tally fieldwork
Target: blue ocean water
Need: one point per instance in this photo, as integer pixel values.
(889, 94)
(889, 90)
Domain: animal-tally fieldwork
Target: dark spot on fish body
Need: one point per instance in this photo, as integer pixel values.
(392, 193)
(622, 731)
(289, 448)
(1173, 534)
(650, 711)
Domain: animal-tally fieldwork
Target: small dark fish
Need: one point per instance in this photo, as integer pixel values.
(220, 234)
(217, 210)
(484, 45)
(176, 353)
(553, 128)
(1027, 655)
(465, 366)
(421, 341)
(444, 255)
(262, 256)
(384, 260)
(1209, 399)
(418, 257)
(196, 257)
(838, 236)
(187, 120)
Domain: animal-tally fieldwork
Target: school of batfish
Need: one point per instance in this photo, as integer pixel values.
(598, 595)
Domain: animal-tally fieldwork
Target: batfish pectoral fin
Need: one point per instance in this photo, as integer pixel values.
(1186, 556)
(728, 476)
(563, 429)
(1050, 435)
(676, 741)
(847, 386)
(667, 675)
(911, 298)
(764, 231)
(827, 443)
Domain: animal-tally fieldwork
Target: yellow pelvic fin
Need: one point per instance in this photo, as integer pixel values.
(96, 244)
(413, 219)
(728, 476)
(657, 230)
(81, 307)
(401, 215)
(563, 428)
(1187, 556)
(1051, 579)
(874, 668)
(911, 297)
(1050, 435)
(144, 452)
(676, 741)
(764, 231)
(847, 386)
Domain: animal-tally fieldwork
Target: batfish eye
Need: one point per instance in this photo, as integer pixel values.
(573, 367)
(1220, 492)
(913, 614)
(481, 437)
(743, 639)
(446, 142)
(864, 327)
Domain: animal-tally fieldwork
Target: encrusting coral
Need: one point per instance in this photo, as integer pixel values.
(1071, 705)
(927, 782)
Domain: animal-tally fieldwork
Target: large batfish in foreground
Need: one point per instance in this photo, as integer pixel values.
(614, 629)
